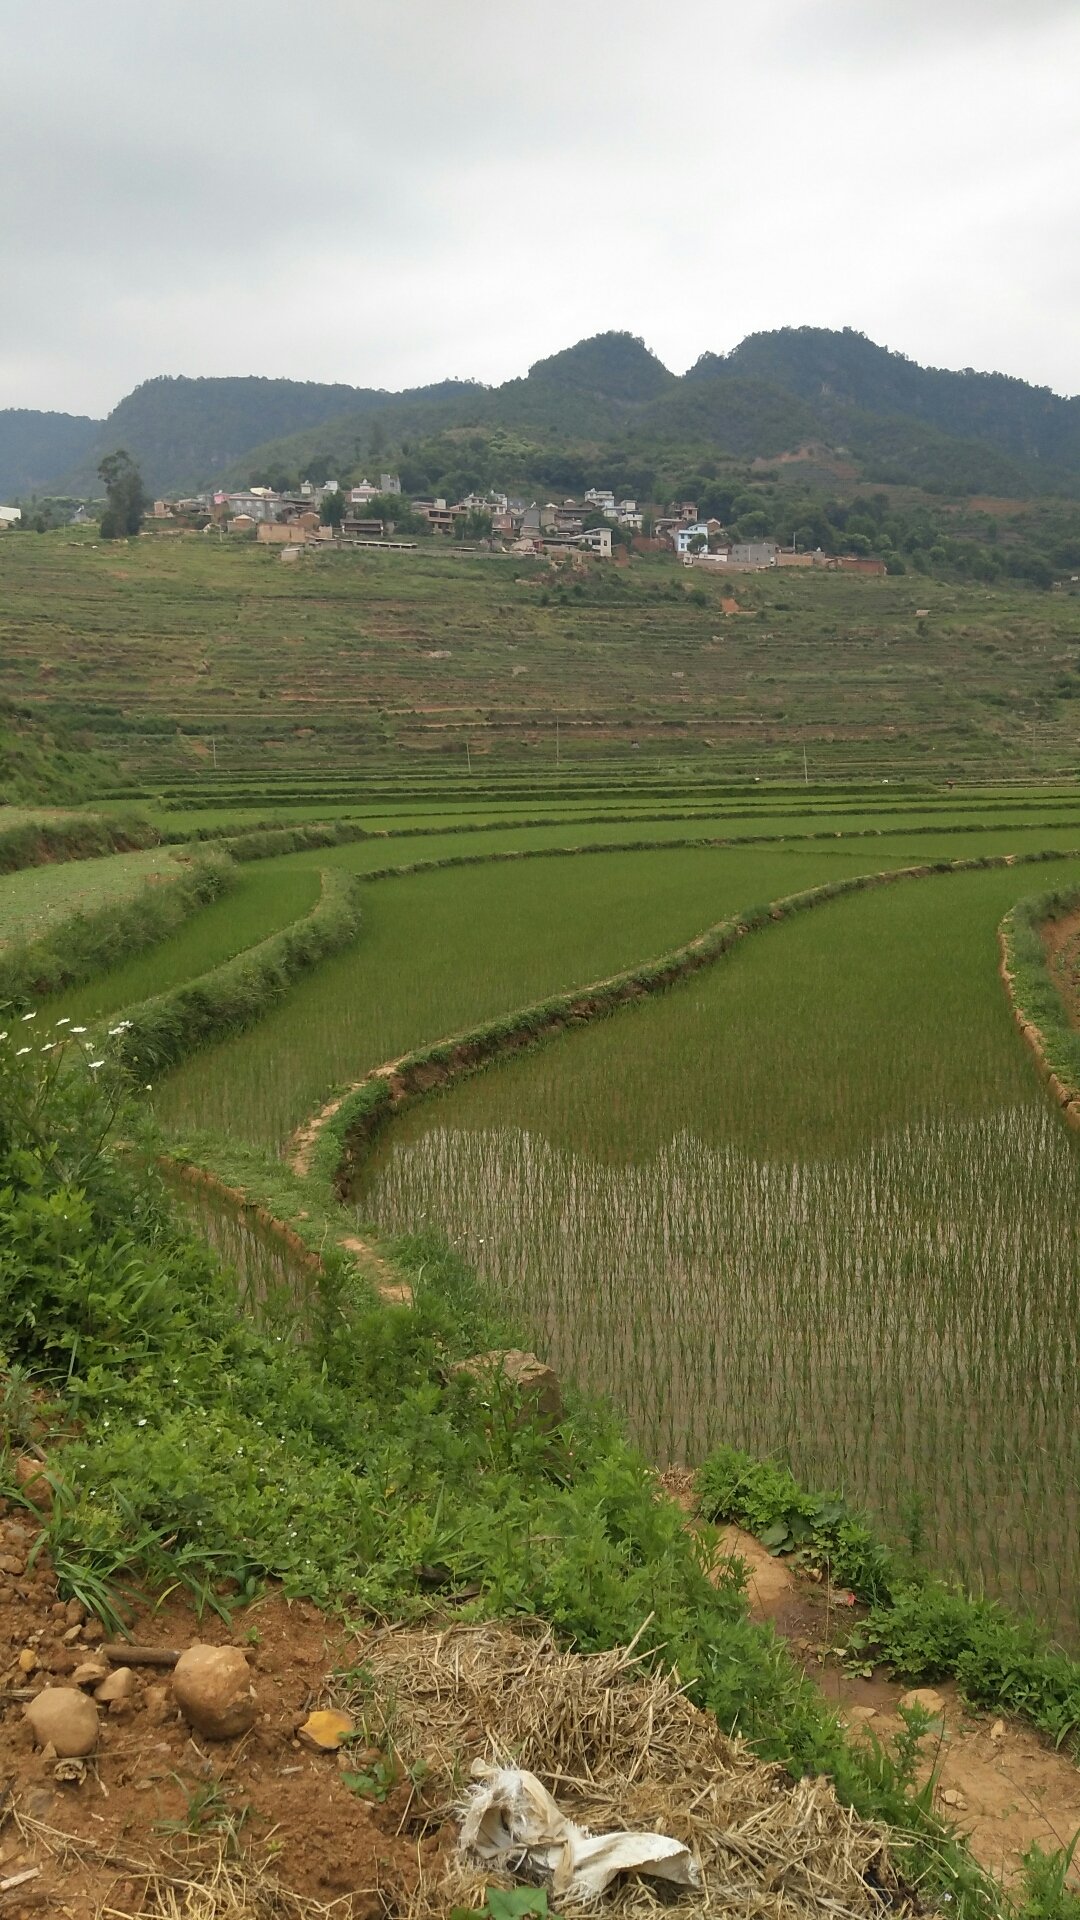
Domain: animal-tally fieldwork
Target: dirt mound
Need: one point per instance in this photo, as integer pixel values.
(622, 1748)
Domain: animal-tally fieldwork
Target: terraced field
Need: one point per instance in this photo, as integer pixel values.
(812, 1201)
(183, 654)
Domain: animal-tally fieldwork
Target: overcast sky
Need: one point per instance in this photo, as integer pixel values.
(390, 194)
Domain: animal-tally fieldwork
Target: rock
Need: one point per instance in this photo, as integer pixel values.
(534, 1383)
(927, 1698)
(325, 1730)
(70, 1773)
(212, 1687)
(158, 1705)
(90, 1673)
(93, 1633)
(64, 1718)
(954, 1799)
(30, 1475)
(75, 1613)
(858, 1716)
(118, 1685)
(13, 1564)
(71, 1634)
(997, 1731)
(28, 1661)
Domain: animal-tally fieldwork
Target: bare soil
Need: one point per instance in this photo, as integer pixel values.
(159, 1808)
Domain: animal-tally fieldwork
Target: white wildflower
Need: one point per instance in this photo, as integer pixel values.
(96, 1063)
(19, 1051)
(65, 1022)
(29, 1016)
(78, 1029)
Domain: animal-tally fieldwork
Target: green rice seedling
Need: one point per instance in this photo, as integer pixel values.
(440, 950)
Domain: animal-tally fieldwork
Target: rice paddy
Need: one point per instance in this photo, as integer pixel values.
(439, 951)
(813, 1202)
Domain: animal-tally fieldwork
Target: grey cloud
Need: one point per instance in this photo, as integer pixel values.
(448, 189)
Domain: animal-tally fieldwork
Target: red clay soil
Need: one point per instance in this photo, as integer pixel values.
(1003, 1785)
(289, 1807)
(1061, 944)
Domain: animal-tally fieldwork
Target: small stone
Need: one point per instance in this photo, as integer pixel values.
(997, 1731)
(64, 1718)
(31, 1478)
(118, 1685)
(858, 1716)
(75, 1613)
(157, 1704)
(71, 1635)
(12, 1564)
(954, 1799)
(70, 1773)
(927, 1698)
(90, 1673)
(213, 1689)
(325, 1730)
(93, 1633)
(28, 1661)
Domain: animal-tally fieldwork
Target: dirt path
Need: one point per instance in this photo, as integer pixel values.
(1002, 1784)
(1061, 944)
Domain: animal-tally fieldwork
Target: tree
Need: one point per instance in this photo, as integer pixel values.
(125, 496)
(697, 543)
(332, 510)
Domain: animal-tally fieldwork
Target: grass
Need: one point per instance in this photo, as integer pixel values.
(792, 1205)
(35, 901)
(174, 654)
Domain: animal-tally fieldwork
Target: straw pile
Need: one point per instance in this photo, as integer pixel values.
(619, 1747)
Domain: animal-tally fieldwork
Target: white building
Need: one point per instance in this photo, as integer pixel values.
(9, 516)
(601, 498)
(683, 536)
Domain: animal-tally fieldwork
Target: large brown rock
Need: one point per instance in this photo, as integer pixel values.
(63, 1718)
(214, 1691)
(534, 1384)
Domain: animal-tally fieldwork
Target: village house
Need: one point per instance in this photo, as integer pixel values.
(9, 517)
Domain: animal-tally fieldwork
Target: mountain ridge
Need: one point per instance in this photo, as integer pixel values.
(771, 393)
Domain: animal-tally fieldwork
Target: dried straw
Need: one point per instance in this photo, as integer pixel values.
(620, 1747)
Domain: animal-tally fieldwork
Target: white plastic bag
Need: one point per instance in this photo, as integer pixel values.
(512, 1822)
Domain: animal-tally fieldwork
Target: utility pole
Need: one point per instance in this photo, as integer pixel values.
(805, 773)
(213, 749)
(556, 740)
(468, 756)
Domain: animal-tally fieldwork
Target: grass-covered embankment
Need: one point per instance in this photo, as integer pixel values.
(88, 942)
(1038, 1005)
(74, 836)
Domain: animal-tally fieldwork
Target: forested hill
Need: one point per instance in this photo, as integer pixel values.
(36, 448)
(956, 432)
(831, 370)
